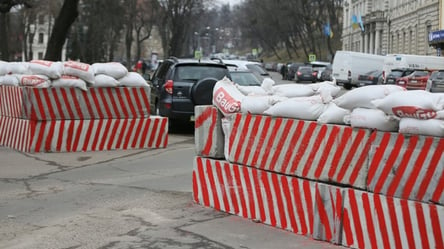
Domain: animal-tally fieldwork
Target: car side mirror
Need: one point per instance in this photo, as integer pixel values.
(147, 77)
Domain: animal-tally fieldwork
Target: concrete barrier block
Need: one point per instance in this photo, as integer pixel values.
(330, 153)
(378, 221)
(72, 103)
(83, 135)
(407, 167)
(297, 205)
(208, 134)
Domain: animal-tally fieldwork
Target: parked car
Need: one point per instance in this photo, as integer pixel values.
(397, 73)
(245, 78)
(326, 74)
(373, 77)
(253, 66)
(292, 68)
(180, 84)
(306, 73)
(435, 83)
(416, 80)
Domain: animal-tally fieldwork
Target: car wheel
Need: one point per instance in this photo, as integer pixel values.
(202, 91)
(347, 86)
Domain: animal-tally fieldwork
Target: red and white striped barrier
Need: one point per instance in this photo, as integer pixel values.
(377, 221)
(208, 134)
(72, 103)
(286, 202)
(301, 148)
(407, 167)
(83, 135)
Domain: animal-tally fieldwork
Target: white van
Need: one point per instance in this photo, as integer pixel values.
(393, 61)
(348, 65)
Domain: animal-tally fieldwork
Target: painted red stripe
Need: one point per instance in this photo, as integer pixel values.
(209, 143)
(431, 170)
(131, 102)
(67, 106)
(348, 231)
(78, 136)
(163, 133)
(49, 105)
(246, 128)
(338, 206)
(120, 143)
(97, 135)
(323, 216)
(250, 193)
(106, 133)
(422, 227)
(145, 101)
(293, 141)
(262, 137)
(50, 135)
(340, 151)
(319, 139)
(223, 186)
(138, 100)
(131, 133)
(70, 134)
(328, 147)
(153, 132)
(113, 134)
(231, 188)
(240, 191)
(97, 105)
(203, 183)
(299, 205)
(394, 221)
(104, 101)
(280, 202)
(303, 146)
(269, 198)
(411, 181)
(377, 158)
(122, 102)
(234, 130)
(195, 187)
(389, 164)
(89, 106)
(361, 164)
(40, 105)
(145, 130)
(139, 135)
(32, 133)
(88, 134)
(280, 145)
(9, 130)
(41, 126)
(371, 233)
(77, 105)
(407, 223)
(439, 189)
(258, 190)
(58, 103)
(356, 218)
(204, 116)
(381, 220)
(213, 189)
(270, 143)
(436, 226)
(309, 203)
(400, 171)
(112, 94)
(290, 208)
(250, 140)
(347, 165)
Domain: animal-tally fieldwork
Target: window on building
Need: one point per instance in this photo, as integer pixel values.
(40, 57)
(41, 19)
(410, 41)
(428, 30)
(41, 37)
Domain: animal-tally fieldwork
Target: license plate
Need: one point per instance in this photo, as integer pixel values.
(192, 118)
(413, 81)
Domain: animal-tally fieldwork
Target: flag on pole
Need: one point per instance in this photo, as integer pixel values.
(355, 23)
(361, 24)
(327, 30)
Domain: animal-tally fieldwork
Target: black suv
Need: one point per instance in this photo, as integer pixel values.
(180, 84)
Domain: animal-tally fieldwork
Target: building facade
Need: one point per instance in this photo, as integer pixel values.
(391, 27)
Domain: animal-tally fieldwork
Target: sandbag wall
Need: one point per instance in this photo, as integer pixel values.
(67, 119)
(353, 187)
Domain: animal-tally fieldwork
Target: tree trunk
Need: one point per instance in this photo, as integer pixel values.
(4, 33)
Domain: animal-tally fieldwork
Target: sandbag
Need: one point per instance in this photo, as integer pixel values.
(429, 127)
(52, 69)
(417, 104)
(41, 81)
(113, 69)
(69, 81)
(133, 79)
(362, 96)
(372, 119)
(251, 90)
(226, 97)
(17, 68)
(307, 108)
(326, 87)
(267, 85)
(293, 90)
(333, 114)
(3, 68)
(254, 104)
(82, 70)
(9, 80)
(103, 80)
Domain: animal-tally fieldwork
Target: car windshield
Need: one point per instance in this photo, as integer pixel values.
(395, 74)
(257, 68)
(245, 78)
(420, 73)
(198, 72)
(305, 69)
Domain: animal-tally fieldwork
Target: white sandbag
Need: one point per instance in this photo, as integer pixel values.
(3, 68)
(254, 104)
(326, 87)
(362, 96)
(417, 104)
(226, 97)
(333, 114)
(372, 119)
(251, 90)
(293, 90)
(133, 79)
(69, 81)
(9, 80)
(307, 108)
(103, 80)
(429, 127)
(41, 81)
(18, 68)
(113, 69)
(52, 69)
(82, 70)
(267, 85)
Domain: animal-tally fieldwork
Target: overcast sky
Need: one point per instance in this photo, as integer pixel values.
(231, 2)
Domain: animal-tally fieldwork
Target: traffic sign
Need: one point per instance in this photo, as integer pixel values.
(311, 57)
